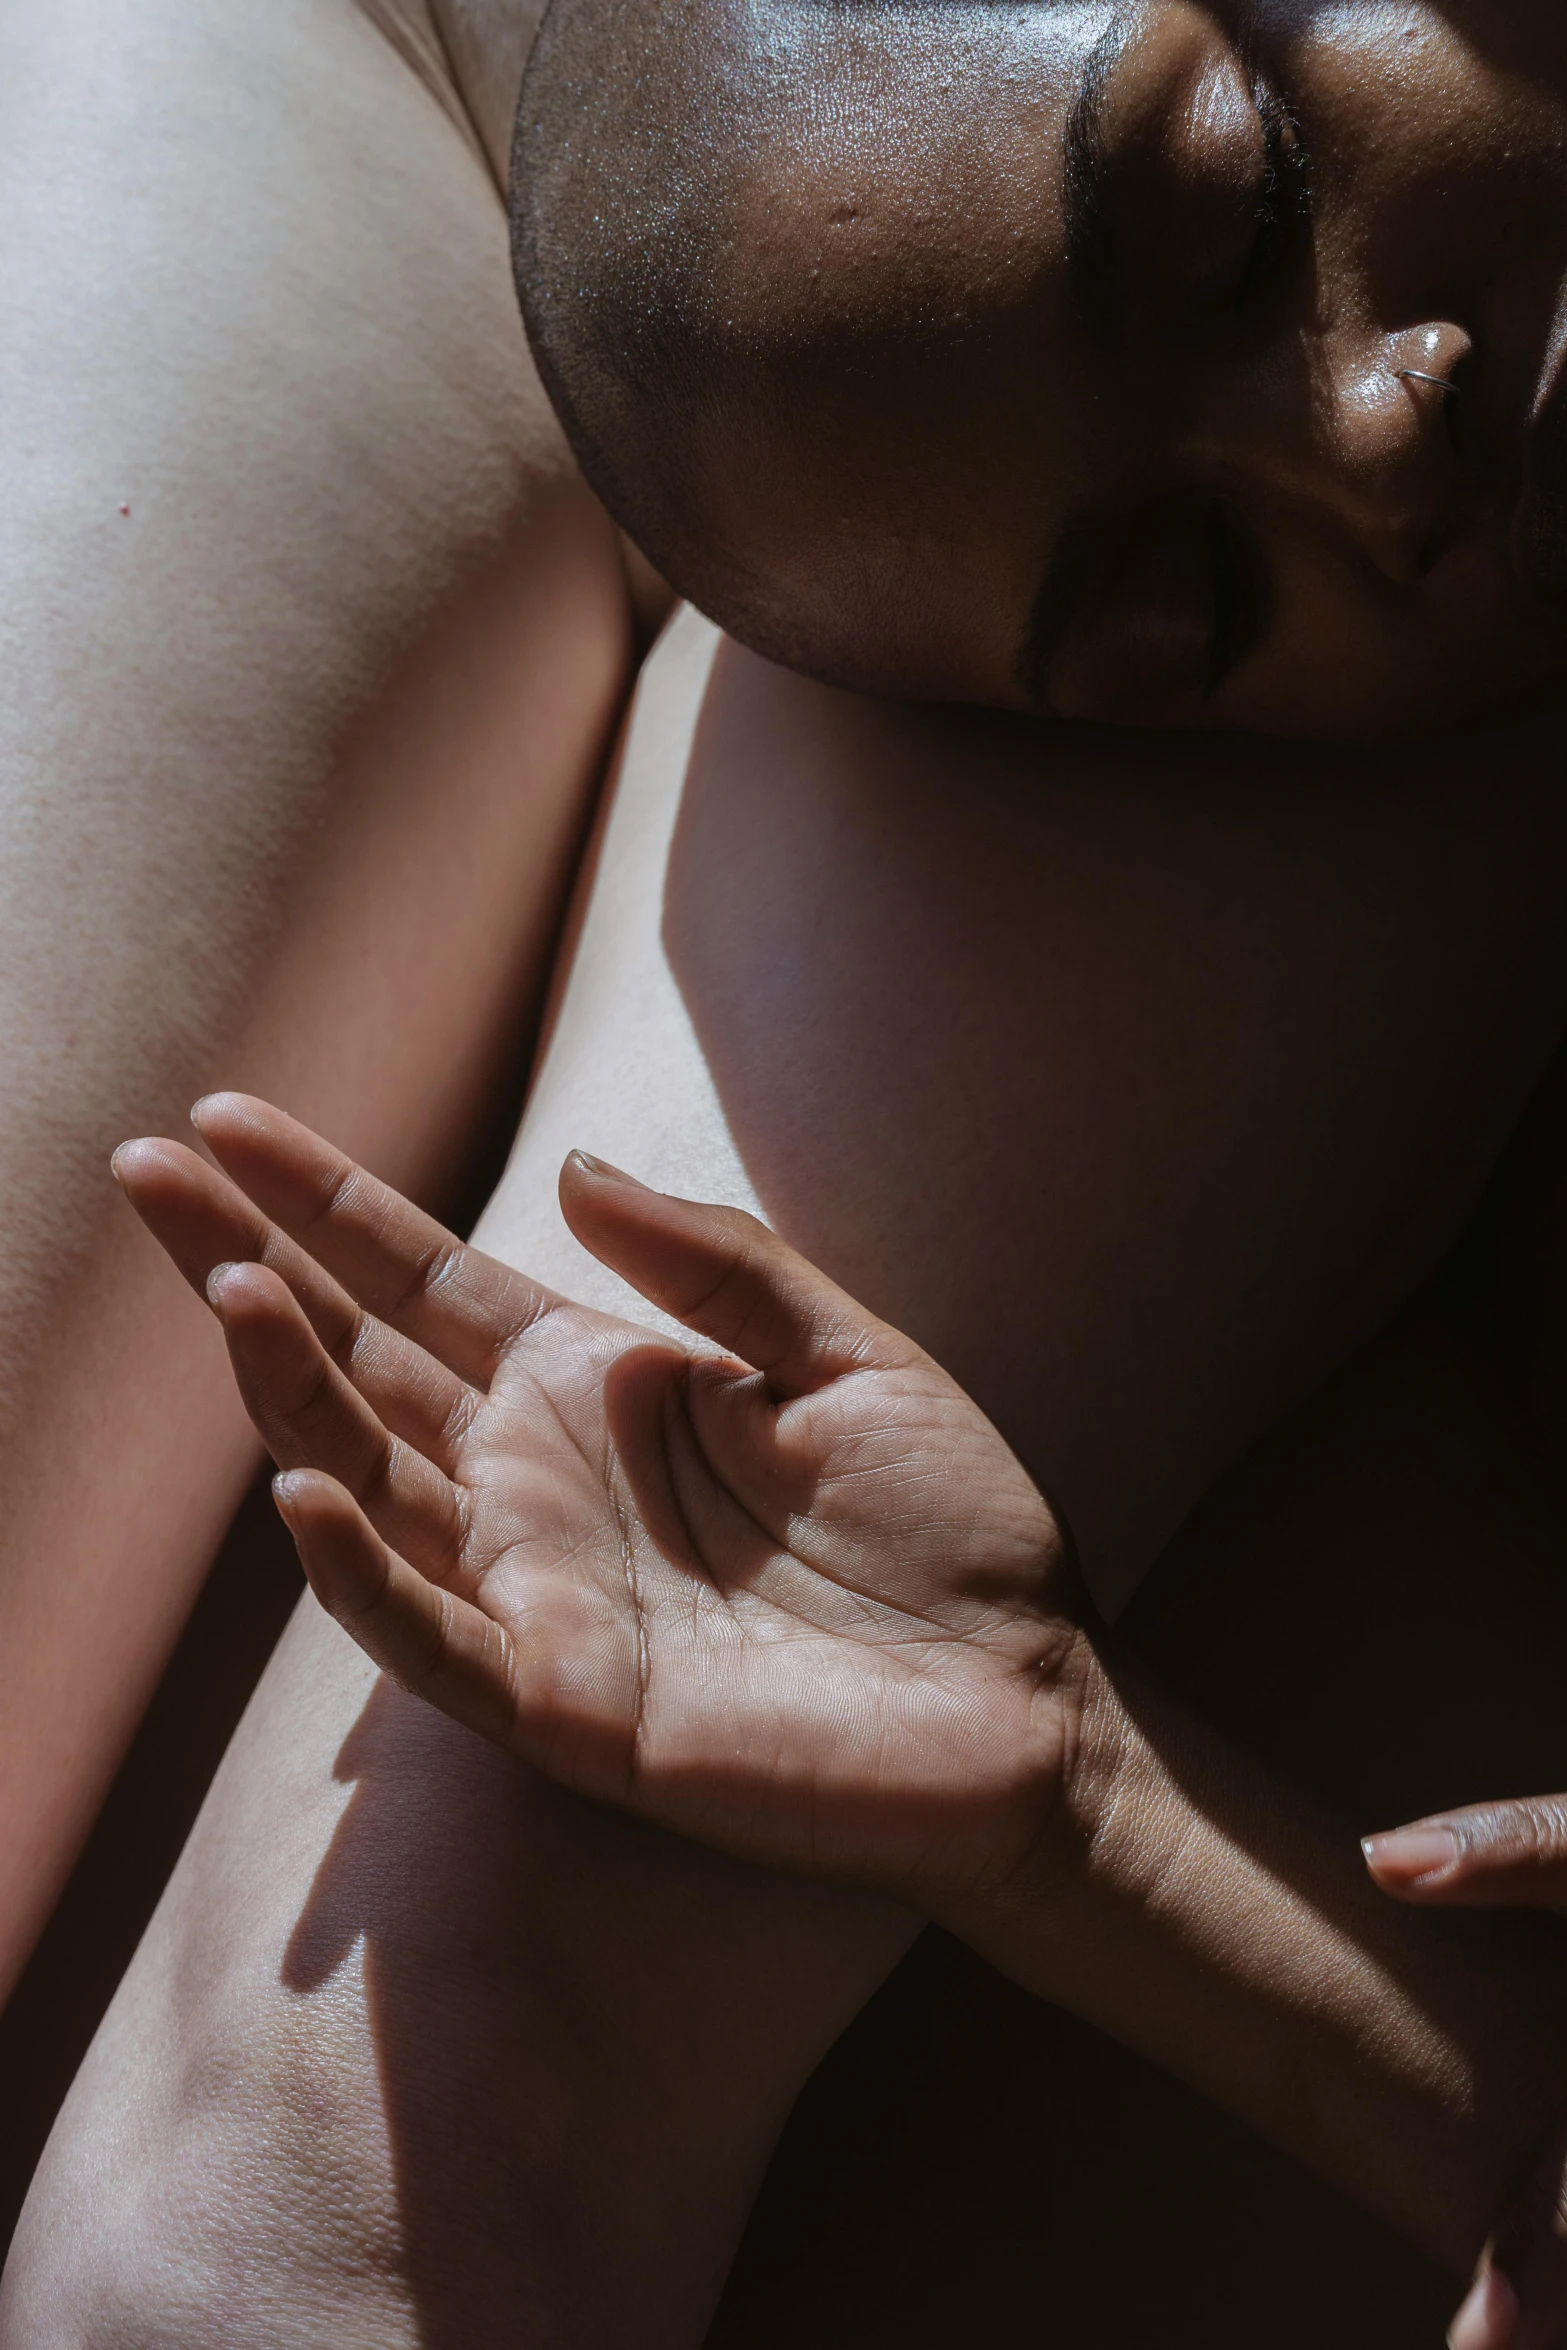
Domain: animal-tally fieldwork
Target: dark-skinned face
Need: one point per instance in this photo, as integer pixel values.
(1093, 339)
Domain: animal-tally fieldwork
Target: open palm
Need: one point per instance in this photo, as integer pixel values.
(797, 1599)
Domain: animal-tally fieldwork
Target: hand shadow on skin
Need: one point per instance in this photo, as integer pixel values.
(957, 2110)
(526, 1962)
(446, 2025)
(960, 2142)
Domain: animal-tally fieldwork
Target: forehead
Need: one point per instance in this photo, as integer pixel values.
(882, 159)
(905, 121)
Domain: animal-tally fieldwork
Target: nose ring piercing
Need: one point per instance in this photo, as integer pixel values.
(1418, 375)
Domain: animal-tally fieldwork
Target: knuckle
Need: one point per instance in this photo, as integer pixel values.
(457, 1424)
(726, 1283)
(429, 1271)
(460, 1530)
(355, 1341)
(1531, 1833)
(310, 1390)
(336, 1193)
(430, 1637)
(381, 1474)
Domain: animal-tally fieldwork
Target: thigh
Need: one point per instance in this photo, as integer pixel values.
(1140, 1080)
(1140, 1088)
(311, 644)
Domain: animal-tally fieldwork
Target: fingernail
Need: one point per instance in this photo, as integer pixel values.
(217, 1280)
(1488, 2320)
(602, 1167)
(1412, 1853)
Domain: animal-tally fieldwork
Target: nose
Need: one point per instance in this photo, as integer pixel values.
(1350, 430)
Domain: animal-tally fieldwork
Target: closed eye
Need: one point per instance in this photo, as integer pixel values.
(1284, 209)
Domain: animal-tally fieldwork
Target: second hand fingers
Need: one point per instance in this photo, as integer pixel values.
(311, 1416)
(1489, 1855)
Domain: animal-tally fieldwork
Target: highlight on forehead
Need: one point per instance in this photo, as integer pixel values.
(861, 180)
(713, 198)
(654, 134)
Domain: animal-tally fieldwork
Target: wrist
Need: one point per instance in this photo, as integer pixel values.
(1198, 1910)
(1058, 1772)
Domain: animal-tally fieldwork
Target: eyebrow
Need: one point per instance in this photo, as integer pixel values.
(1092, 257)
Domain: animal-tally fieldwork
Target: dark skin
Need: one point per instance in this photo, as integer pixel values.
(1108, 371)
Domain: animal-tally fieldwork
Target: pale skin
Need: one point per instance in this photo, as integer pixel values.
(313, 644)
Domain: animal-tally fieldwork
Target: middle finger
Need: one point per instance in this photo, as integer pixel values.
(311, 1416)
(202, 1219)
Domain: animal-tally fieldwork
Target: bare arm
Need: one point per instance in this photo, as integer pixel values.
(311, 645)
(1221, 1924)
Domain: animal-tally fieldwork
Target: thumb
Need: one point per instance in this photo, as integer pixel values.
(723, 1274)
(1488, 1856)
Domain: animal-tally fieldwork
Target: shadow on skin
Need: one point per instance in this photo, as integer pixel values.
(392, 1881)
(966, 2164)
(954, 1009)
(526, 1978)
(1187, 1055)
(972, 2165)
(1212, 1023)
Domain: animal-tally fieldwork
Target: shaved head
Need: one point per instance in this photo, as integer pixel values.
(741, 228)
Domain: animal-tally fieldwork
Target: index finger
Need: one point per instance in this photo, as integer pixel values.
(1507, 1854)
(405, 1268)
